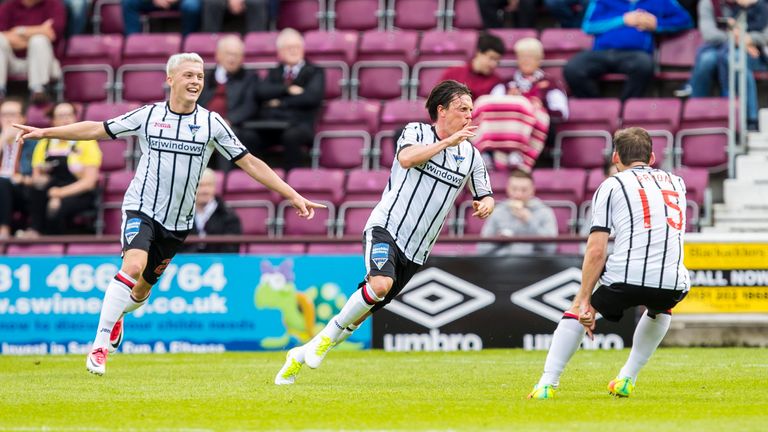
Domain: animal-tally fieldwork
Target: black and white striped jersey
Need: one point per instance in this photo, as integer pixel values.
(416, 201)
(175, 149)
(645, 208)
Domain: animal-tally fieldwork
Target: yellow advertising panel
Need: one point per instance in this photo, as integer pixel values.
(726, 278)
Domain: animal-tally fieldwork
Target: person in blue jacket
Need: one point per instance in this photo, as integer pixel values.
(623, 44)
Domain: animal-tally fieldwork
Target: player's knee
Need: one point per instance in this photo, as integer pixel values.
(380, 286)
(132, 268)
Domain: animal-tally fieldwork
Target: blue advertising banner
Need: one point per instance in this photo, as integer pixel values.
(203, 303)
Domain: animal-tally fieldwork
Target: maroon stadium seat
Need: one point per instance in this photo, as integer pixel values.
(366, 185)
(358, 15)
(337, 45)
(563, 184)
(142, 75)
(118, 154)
(463, 14)
(302, 15)
(37, 115)
(447, 248)
(595, 177)
(318, 184)
(380, 79)
(389, 45)
(395, 114)
(204, 44)
(277, 248)
(88, 67)
(427, 74)
(696, 185)
(453, 45)
(353, 216)
(112, 199)
(585, 139)
(113, 248)
(562, 44)
(34, 249)
(341, 149)
(108, 17)
(418, 14)
(661, 118)
(260, 47)
(350, 115)
(677, 54)
(702, 140)
(256, 217)
(239, 186)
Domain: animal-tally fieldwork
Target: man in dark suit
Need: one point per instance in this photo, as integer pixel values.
(229, 91)
(290, 96)
(212, 217)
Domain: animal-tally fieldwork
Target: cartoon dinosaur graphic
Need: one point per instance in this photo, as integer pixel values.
(304, 313)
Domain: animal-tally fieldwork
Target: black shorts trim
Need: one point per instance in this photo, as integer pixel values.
(611, 301)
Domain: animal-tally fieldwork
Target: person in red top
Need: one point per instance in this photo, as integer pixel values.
(479, 74)
(28, 31)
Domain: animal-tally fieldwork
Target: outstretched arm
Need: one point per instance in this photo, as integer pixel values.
(415, 155)
(80, 131)
(262, 173)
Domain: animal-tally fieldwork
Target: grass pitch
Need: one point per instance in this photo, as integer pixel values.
(679, 390)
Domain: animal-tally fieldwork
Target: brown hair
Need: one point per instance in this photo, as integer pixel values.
(633, 145)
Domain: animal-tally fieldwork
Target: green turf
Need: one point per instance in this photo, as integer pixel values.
(681, 389)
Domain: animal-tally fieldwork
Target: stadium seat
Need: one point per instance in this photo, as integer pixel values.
(463, 14)
(447, 248)
(108, 17)
(697, 193)
(365, 185)
(204, 44)
(510, 36)
(341, 149)
(112, 200)
(353, 216)
(427, 74)
(256, 216)
(117, 154)
(336, 79)
(702, 140)
(302, 15)
(563, 185)
(595, 177)
(252, 201)
(102, 111)
(357, 15)
(379, 79)
(661, 118)
(239, 186)
(290, 224)
(260, 47)
(394, 116)
(562, 44)
(88, 68)
(37, 115)
(389, 45)
(113, 248)
(416, 14)
(350, 115)
(142, 74)
(585, 139)
(34, 249)
(677, 54)
(453, 45)
(337, 45)
(306, 182)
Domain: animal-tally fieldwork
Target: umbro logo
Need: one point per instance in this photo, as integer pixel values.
(552, 296)
(434, 298)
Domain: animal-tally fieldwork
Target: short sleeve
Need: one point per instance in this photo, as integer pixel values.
(601, 206)
(128, 124)
(225, 141)
(90, 153)
(479, 182)
(38, 155)
(413, 133)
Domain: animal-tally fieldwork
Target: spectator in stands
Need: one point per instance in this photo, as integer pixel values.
(569, 13)
(291, 96)
(78, 12)
(29, 30)
(212, 217)
(65, 176)
(495, 12)
(15, 164)
(229, 91)
(256, 14)
(623, 44)
(712, 57)
(518, 139)
(522, 214)
(479, 74)
(190, 13)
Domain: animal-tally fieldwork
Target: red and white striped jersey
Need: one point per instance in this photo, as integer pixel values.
(645, 208)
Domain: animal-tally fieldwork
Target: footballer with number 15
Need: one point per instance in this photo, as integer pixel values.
(177, 138)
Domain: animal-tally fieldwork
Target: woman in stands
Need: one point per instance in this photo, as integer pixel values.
(65, 176)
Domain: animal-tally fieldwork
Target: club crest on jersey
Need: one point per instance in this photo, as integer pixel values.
(459, 159)
(380, 254)
(132, 229)
(194, 128)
